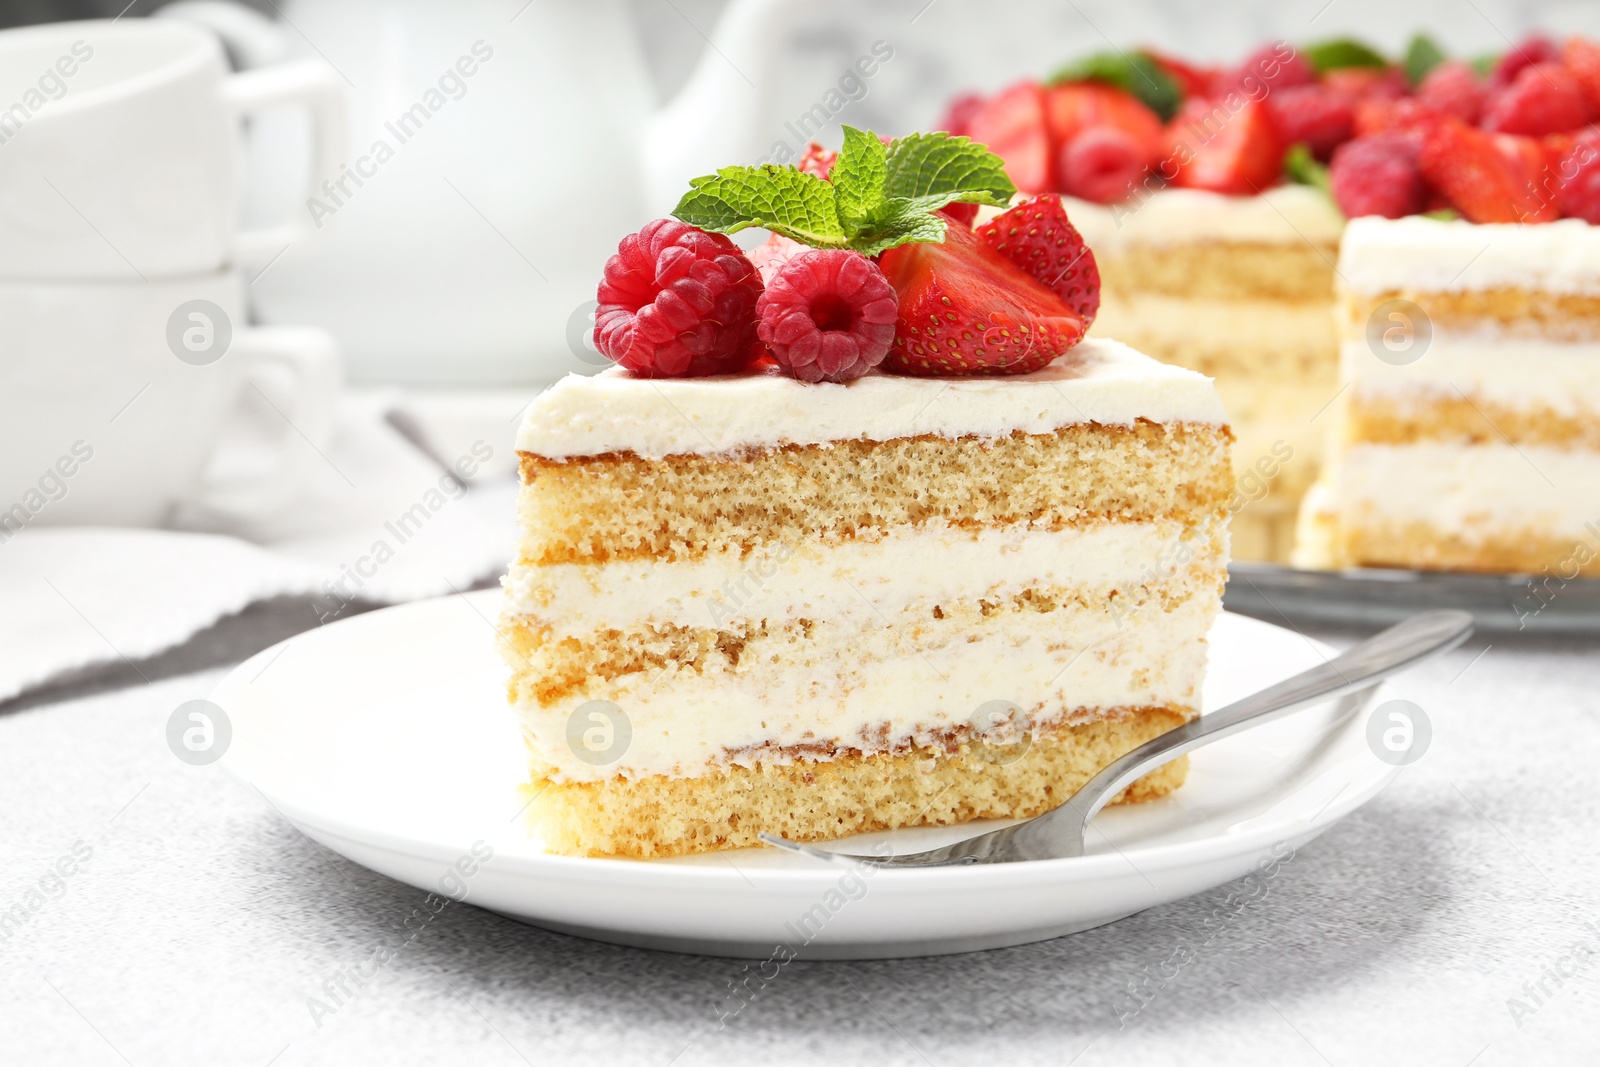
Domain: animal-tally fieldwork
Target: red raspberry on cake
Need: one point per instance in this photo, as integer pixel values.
(1454, 88)
(1535, 48)
(1275, 66)
(677, 302)
(1038, 238)
(1314, 114)
(1543, 99)
(1377, 175)
(828, 315)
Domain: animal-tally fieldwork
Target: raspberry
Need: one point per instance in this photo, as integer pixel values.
(1535, 48)
(1377, 175)
(677, 302)
(1318, 116)
(1453, 88)
(828, 315)
(1101, 164)
(1275, 66)
(1579, 189)
(1543, 99)
(817, 160)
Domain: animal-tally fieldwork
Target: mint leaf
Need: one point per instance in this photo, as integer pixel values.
(1422, 55)
(782, 199)
(1302, 168)
(897, 222)
(1132, 72)
(877, 197)
(1444, 214)
(935, 169)
(1340, 53)
(859, 175)
(1484, 65)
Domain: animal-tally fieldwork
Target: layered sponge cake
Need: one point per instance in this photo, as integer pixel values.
(1469, 435)
(747, 603)
(1240, 289)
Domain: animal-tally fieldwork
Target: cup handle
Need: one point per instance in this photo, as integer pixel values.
(315, 84)
(310, 358)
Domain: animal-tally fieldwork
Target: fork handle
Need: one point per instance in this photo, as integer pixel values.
(1395, 649)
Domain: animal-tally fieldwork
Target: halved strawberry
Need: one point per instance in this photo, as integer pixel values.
(1077, 106)
(1365, 83)
(1227, 152)
(1037, 236)
(1410, 117)
(965, 309)
(1486, 181)
(958, 114)
(1581, 57)
(1012, 126)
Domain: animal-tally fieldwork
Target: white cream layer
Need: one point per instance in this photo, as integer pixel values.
(1284, 214)
(1098, 381)
(1474, 490)
(682, 726)
(921, 567)
(1420, 254)
(1564, 378)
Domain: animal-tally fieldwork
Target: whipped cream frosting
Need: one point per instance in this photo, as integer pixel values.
(1099, 381)
(867, 579)
(1517, 373)
(1280, 215)
(1428, 255)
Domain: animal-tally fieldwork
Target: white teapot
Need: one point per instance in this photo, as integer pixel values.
(494, 164)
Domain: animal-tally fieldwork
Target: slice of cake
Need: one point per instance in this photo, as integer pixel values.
(1469, 435)
(747, 603)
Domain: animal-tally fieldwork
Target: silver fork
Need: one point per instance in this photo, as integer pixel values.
(1059, 833)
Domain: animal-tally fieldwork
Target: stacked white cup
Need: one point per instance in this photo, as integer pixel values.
(125, 348)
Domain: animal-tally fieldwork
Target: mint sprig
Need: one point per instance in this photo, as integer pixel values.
(1422, 55)
(879, 196)
(1302, 168)
(1341, 53)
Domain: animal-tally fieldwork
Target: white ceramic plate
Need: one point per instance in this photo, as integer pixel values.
(386, 738)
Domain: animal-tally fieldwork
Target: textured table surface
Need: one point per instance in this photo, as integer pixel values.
(194, 924)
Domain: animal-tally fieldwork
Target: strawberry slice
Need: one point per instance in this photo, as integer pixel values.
(1238, 153)
(1581, 57)
(1486, 178)
(1037, 237)
(1012, 126)
(1077, 106)
(965, 309)
(1193, 79)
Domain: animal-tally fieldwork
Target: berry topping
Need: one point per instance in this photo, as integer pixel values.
(1238, 154)
(828, 315)
(1037, 237)
(1366, 83)
(1313, 114)
(1377, 175)
(1582, 60)
(1579, 188)
(1544, 98)
(677, 302)
(1102, 164)
(1477, 177)
(1076, 107)
(771, 255)
(1535, 48)
(1013, 127)
(1452, 88)
(965, 309)
(817, 161)
(1275, 66)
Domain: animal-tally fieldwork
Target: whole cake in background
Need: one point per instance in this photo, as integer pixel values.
(860, 533)
(1215, 198)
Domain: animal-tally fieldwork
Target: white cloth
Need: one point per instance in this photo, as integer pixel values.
(375, 521)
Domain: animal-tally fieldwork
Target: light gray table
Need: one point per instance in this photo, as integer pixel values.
(200, 923)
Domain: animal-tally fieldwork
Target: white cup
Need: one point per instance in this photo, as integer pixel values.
(115, 395)
(120, 148)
